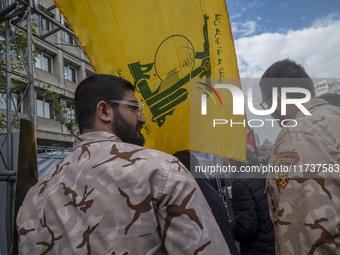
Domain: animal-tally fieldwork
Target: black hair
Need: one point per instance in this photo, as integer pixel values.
(286, 73)
(94, 89)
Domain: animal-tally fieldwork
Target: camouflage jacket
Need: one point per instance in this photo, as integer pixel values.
(304, 202)
(110, 197)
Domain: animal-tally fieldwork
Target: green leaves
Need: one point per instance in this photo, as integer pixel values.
(61, 113)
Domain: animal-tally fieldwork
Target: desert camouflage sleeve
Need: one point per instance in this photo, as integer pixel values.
(304, 202)
(187, 223)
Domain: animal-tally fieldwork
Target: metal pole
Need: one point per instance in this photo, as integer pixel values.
(63, 50)
(54, 22)
(30, 63)
(9, 202)
(52, 7)
(8, 91)
(6, 10)
(50, 33)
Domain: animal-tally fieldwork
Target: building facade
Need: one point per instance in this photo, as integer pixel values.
(59, 65)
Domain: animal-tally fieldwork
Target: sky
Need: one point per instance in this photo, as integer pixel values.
(269, 30)
(266, 31)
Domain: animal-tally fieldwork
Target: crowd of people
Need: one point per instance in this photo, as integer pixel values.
(114, 196)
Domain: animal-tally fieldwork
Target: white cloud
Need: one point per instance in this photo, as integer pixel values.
(236, 16)
(327, 20)
(244, 29)
(316, 48)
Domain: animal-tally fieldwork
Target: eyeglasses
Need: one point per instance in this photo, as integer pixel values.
(135, 106)
(264, 104)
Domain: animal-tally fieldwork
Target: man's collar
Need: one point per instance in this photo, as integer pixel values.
(94, 137)
(310, 105)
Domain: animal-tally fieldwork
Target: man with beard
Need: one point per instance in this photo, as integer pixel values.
(303, 199)
(112, 196)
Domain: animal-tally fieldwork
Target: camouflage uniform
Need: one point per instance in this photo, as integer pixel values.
(110, 197)
(306, 209)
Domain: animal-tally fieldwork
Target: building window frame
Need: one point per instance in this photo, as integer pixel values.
(13, 53)
(16, 97)
(45, 24)
(44, 62)
(67, 37)
(44, 107)
(41, 22)
(70, 112)
(70, 73)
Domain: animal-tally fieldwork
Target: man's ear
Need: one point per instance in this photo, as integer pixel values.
(104, 111)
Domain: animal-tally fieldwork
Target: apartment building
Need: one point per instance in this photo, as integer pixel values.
(59, 65)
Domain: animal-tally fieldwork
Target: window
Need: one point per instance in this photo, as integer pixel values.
(36, 19)
(16, 99)
(45, 24)
(13, 49)
(2, 101)
(41, 22)
(70, 73)
(64, 35)
(44, 108)
(15, 105)
(70, 111)
(43, 62)
(2, 43)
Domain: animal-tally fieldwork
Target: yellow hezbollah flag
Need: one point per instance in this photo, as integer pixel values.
(160, 46)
